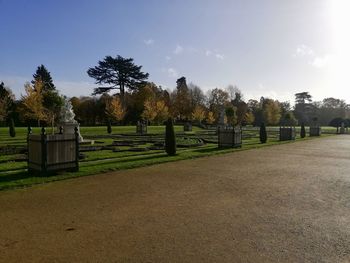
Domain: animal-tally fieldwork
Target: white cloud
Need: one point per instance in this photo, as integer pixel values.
(167, 58)
(215, 53)
(219, 56)
(172, 73)
(303, 50)
(149, 42)
(178, 50)
(314, 59)
(321, 62)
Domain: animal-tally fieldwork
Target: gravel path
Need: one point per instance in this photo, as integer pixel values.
(286, 203)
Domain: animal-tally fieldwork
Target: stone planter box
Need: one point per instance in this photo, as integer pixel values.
(69, 128)
(315, 131)
(188, 127)
(287, 133)
(51, 153)
(141, 128)
(229, 137)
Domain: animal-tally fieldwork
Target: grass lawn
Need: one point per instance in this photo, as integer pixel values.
(13, 167)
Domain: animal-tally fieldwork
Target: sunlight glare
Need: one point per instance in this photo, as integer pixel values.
(340, 10)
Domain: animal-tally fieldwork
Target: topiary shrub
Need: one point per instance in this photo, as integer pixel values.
(262, 133)
(109, 127)
(302, 131)
(170, 140)
(12, 129)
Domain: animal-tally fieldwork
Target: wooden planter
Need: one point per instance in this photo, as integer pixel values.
(188, 127)
(229, 137)
(51, 153)
(141, 128)
(287, 133)
(315, 131)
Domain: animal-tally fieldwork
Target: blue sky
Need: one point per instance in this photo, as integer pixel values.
(266, 47)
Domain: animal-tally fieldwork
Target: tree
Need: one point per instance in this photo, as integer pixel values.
(155, 110)
(12, 130)
(162, 112)
(182, 108)
(115, 109)
(170, 141)
(302, 131)
(118, 73)
(210, 117)
(289, 119)
(272, 112)
(109, 127)
(7, 100)
(149, 112)
(255, 107)
(262, 133)
(43, 75)
(303, 106)
(32, 102)
(234, 93)
(248, 118)
(231, 116)
(198, 113)
(218, 98)
(197, 96)
(336, 122)
(52, 101)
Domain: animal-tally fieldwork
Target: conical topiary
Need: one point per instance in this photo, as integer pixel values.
(170, 140)
(262, 133)
(109, 127)
(302, 131)
(12, 130)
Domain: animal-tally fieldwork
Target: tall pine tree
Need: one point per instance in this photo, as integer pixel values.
(117, 73)
(44, 75)
(52, 101)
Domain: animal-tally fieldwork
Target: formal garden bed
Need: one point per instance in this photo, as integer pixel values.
(138, 150)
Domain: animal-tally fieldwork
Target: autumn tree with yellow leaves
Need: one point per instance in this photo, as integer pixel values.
(114, 109)
(210, 117)
(198, 113)
(32, 102)
(155, 110)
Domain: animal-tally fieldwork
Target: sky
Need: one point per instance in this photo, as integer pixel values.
(267, 48)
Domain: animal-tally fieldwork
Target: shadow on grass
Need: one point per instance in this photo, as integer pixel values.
(127, 159)
(14, 177)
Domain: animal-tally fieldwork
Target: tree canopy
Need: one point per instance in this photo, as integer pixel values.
(43, 75)
(117, 73)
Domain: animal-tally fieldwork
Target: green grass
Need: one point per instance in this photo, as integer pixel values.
(13, 174)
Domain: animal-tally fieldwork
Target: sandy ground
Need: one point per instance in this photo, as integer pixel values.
(286, 203)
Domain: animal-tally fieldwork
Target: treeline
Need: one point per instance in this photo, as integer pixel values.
(190, 103)
(138, 99)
